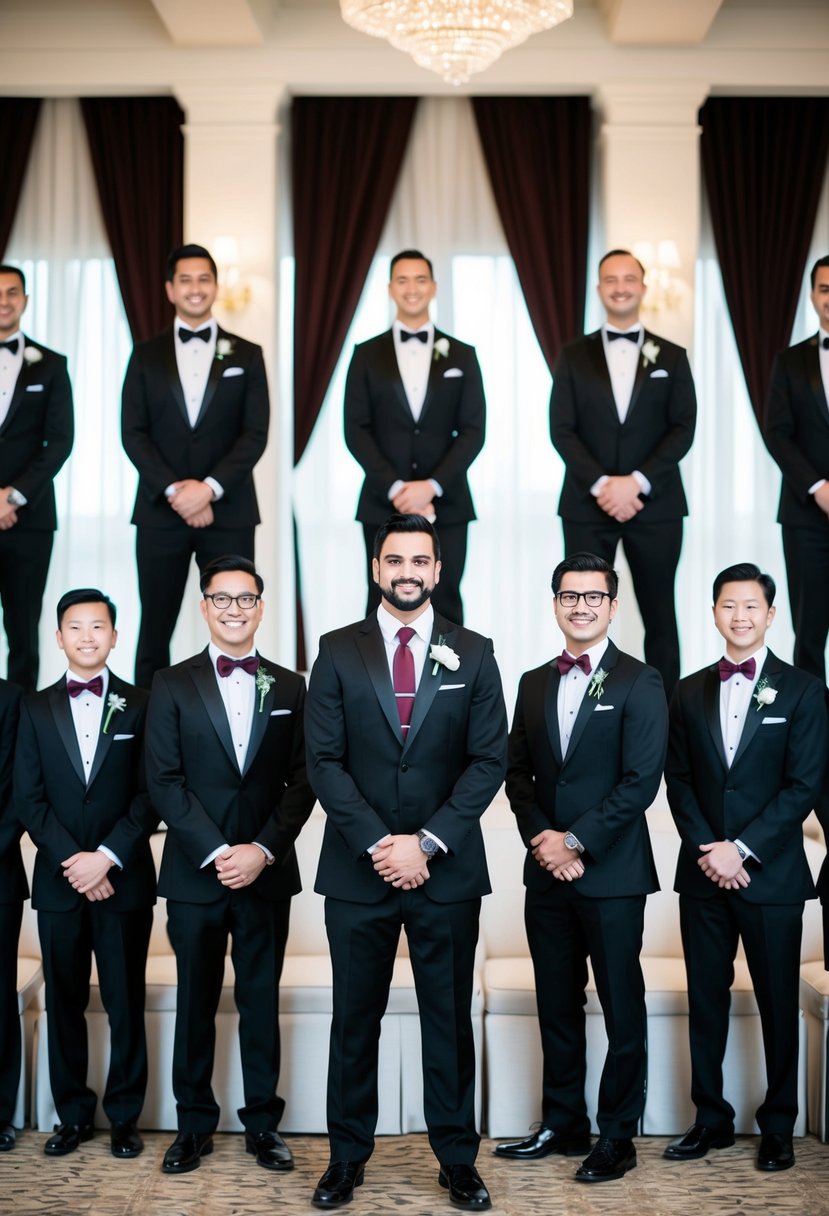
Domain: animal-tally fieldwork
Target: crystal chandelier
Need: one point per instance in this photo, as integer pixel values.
(454, 37)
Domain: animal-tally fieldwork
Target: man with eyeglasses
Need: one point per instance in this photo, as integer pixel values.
(226, 772)
(586, 753)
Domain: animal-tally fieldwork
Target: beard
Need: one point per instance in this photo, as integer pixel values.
(406, 605)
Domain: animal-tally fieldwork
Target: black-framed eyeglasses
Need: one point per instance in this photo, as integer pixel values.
(593, 599)
(221, 600)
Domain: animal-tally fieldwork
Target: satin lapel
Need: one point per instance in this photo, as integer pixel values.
(261, 717)
(815, 379)
(105, 740)
(551, 711)
(369, 642)
(173, 378)
(204, 678)
(436, 370)
(711, 699)
(598, 363)
(59, 705)
(428, 687)
(588, 703)
(28, 375)
(640, 377)
(215, 375)
(755, 714)
(388, 369)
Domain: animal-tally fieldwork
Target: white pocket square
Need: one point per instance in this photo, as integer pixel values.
(452, 371)
(772, 721)
(602, 708)
(447, 687)
(233, 371)
(117, 738)
(659, 374)
(278, 713)
(34, 388)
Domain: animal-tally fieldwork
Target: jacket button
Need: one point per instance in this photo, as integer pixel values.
(562, 784)
(404, 768)
(414, 464)
(417, 430)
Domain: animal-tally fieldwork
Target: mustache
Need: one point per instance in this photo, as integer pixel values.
(407, 582)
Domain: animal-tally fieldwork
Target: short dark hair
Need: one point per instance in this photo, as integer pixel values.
(745, 572)
(6, 269)
(819, 265)
(230, 562)
(410, 255)
(586, 563)
(189, 251)
(85, 595)
(405, 523)
(620, 253)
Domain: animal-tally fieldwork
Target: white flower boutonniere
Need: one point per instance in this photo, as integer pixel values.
(596, 686)
(443, 655)
(441, 349)
(264, 679)
(115, 705)
(32, 355)
(764, 694)
(650, 352)
(224, 347)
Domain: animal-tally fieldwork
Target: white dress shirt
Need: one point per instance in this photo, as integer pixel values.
(10, 367)
(571, 692)
(735, 702)
(622, 359)
(414, 362)
(194, 360)
(87, 714)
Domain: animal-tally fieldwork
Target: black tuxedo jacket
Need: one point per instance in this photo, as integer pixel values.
(228, 439)
(36, 436)
(796, 431)
(63, 814)
(202, 796)
(657, 432)
(606, 781)
(765, 795)
(370, 781)
(13, 884)
(384, 438)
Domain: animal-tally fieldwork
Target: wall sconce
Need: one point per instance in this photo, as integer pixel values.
(664, 287)
(233, 294)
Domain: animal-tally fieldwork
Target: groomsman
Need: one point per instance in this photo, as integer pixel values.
(13, 890)
(745, 760)
(194, 423)
(226, 767)
(415, 417)
(586, 752)
(797, 435)
(79, 790)
(406, 735)
(36, 432)
(622, 416)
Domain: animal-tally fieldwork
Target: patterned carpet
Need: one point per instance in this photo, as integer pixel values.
(402, 1180)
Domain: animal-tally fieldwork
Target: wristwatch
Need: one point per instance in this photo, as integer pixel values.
(573, 842)
(428, 844)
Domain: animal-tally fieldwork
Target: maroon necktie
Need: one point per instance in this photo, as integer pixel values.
(225, 666)
(729, 669)
(403, 672)
(566, 663)
(76, 687)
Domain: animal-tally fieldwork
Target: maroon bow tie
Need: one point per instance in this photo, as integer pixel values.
(728, 669)
(76, 687)
(566, 663)
(225, 666)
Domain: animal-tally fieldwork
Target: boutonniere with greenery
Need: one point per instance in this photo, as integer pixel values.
(764, 694)
(224, 347)
(443, 656)
(441, 349)
(115, 705)
(264, 679)
(32, 355)
(650, 352)
(596, 686)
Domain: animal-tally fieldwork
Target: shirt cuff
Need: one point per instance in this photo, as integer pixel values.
(395, 489)
(170, 491)
(113, 857)
(644, 485)
(373, 847)
(268, 854)
(16, 498)
(437, 487)
(218, 491)
(437, 840)
(212, 856)
(814, 489)
(741, 844)
(597, 485)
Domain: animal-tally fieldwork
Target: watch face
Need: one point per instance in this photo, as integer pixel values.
(428, 846)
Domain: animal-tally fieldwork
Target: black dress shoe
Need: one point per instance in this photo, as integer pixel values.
(546, 1140)
(696, 1143)
(776, 1152)
(125, 1141)
(337, 1184)
(186, 1152)
(270, 1150)
(609, 1159)
(8, 1137)
(67, 1137)
(465, 1186)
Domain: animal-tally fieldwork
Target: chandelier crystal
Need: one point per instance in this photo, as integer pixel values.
(454, 37)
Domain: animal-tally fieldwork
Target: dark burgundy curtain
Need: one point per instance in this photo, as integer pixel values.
(346, 154)
(137, 152)
(763, 162)
(537, 151)
(18, 119)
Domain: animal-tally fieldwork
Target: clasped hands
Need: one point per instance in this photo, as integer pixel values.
(87, 873)
(401, 861)
(415, 498)
(619, 498)
(552, 854)
(8, 512)
(240, 865)
(191, 500)
(722, 863)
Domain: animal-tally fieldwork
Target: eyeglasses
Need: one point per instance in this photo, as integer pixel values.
(221, 600)
(593, 599)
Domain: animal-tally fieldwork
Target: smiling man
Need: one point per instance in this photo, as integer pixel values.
(414, 420)
(226, 771)
(745, 759)
(622, 416)
(194, 422)
(586, 752)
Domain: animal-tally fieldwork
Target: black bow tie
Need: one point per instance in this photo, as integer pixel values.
(187, 334)
(824, 343)
(632, 335)
(421, 335)
(11, 345)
